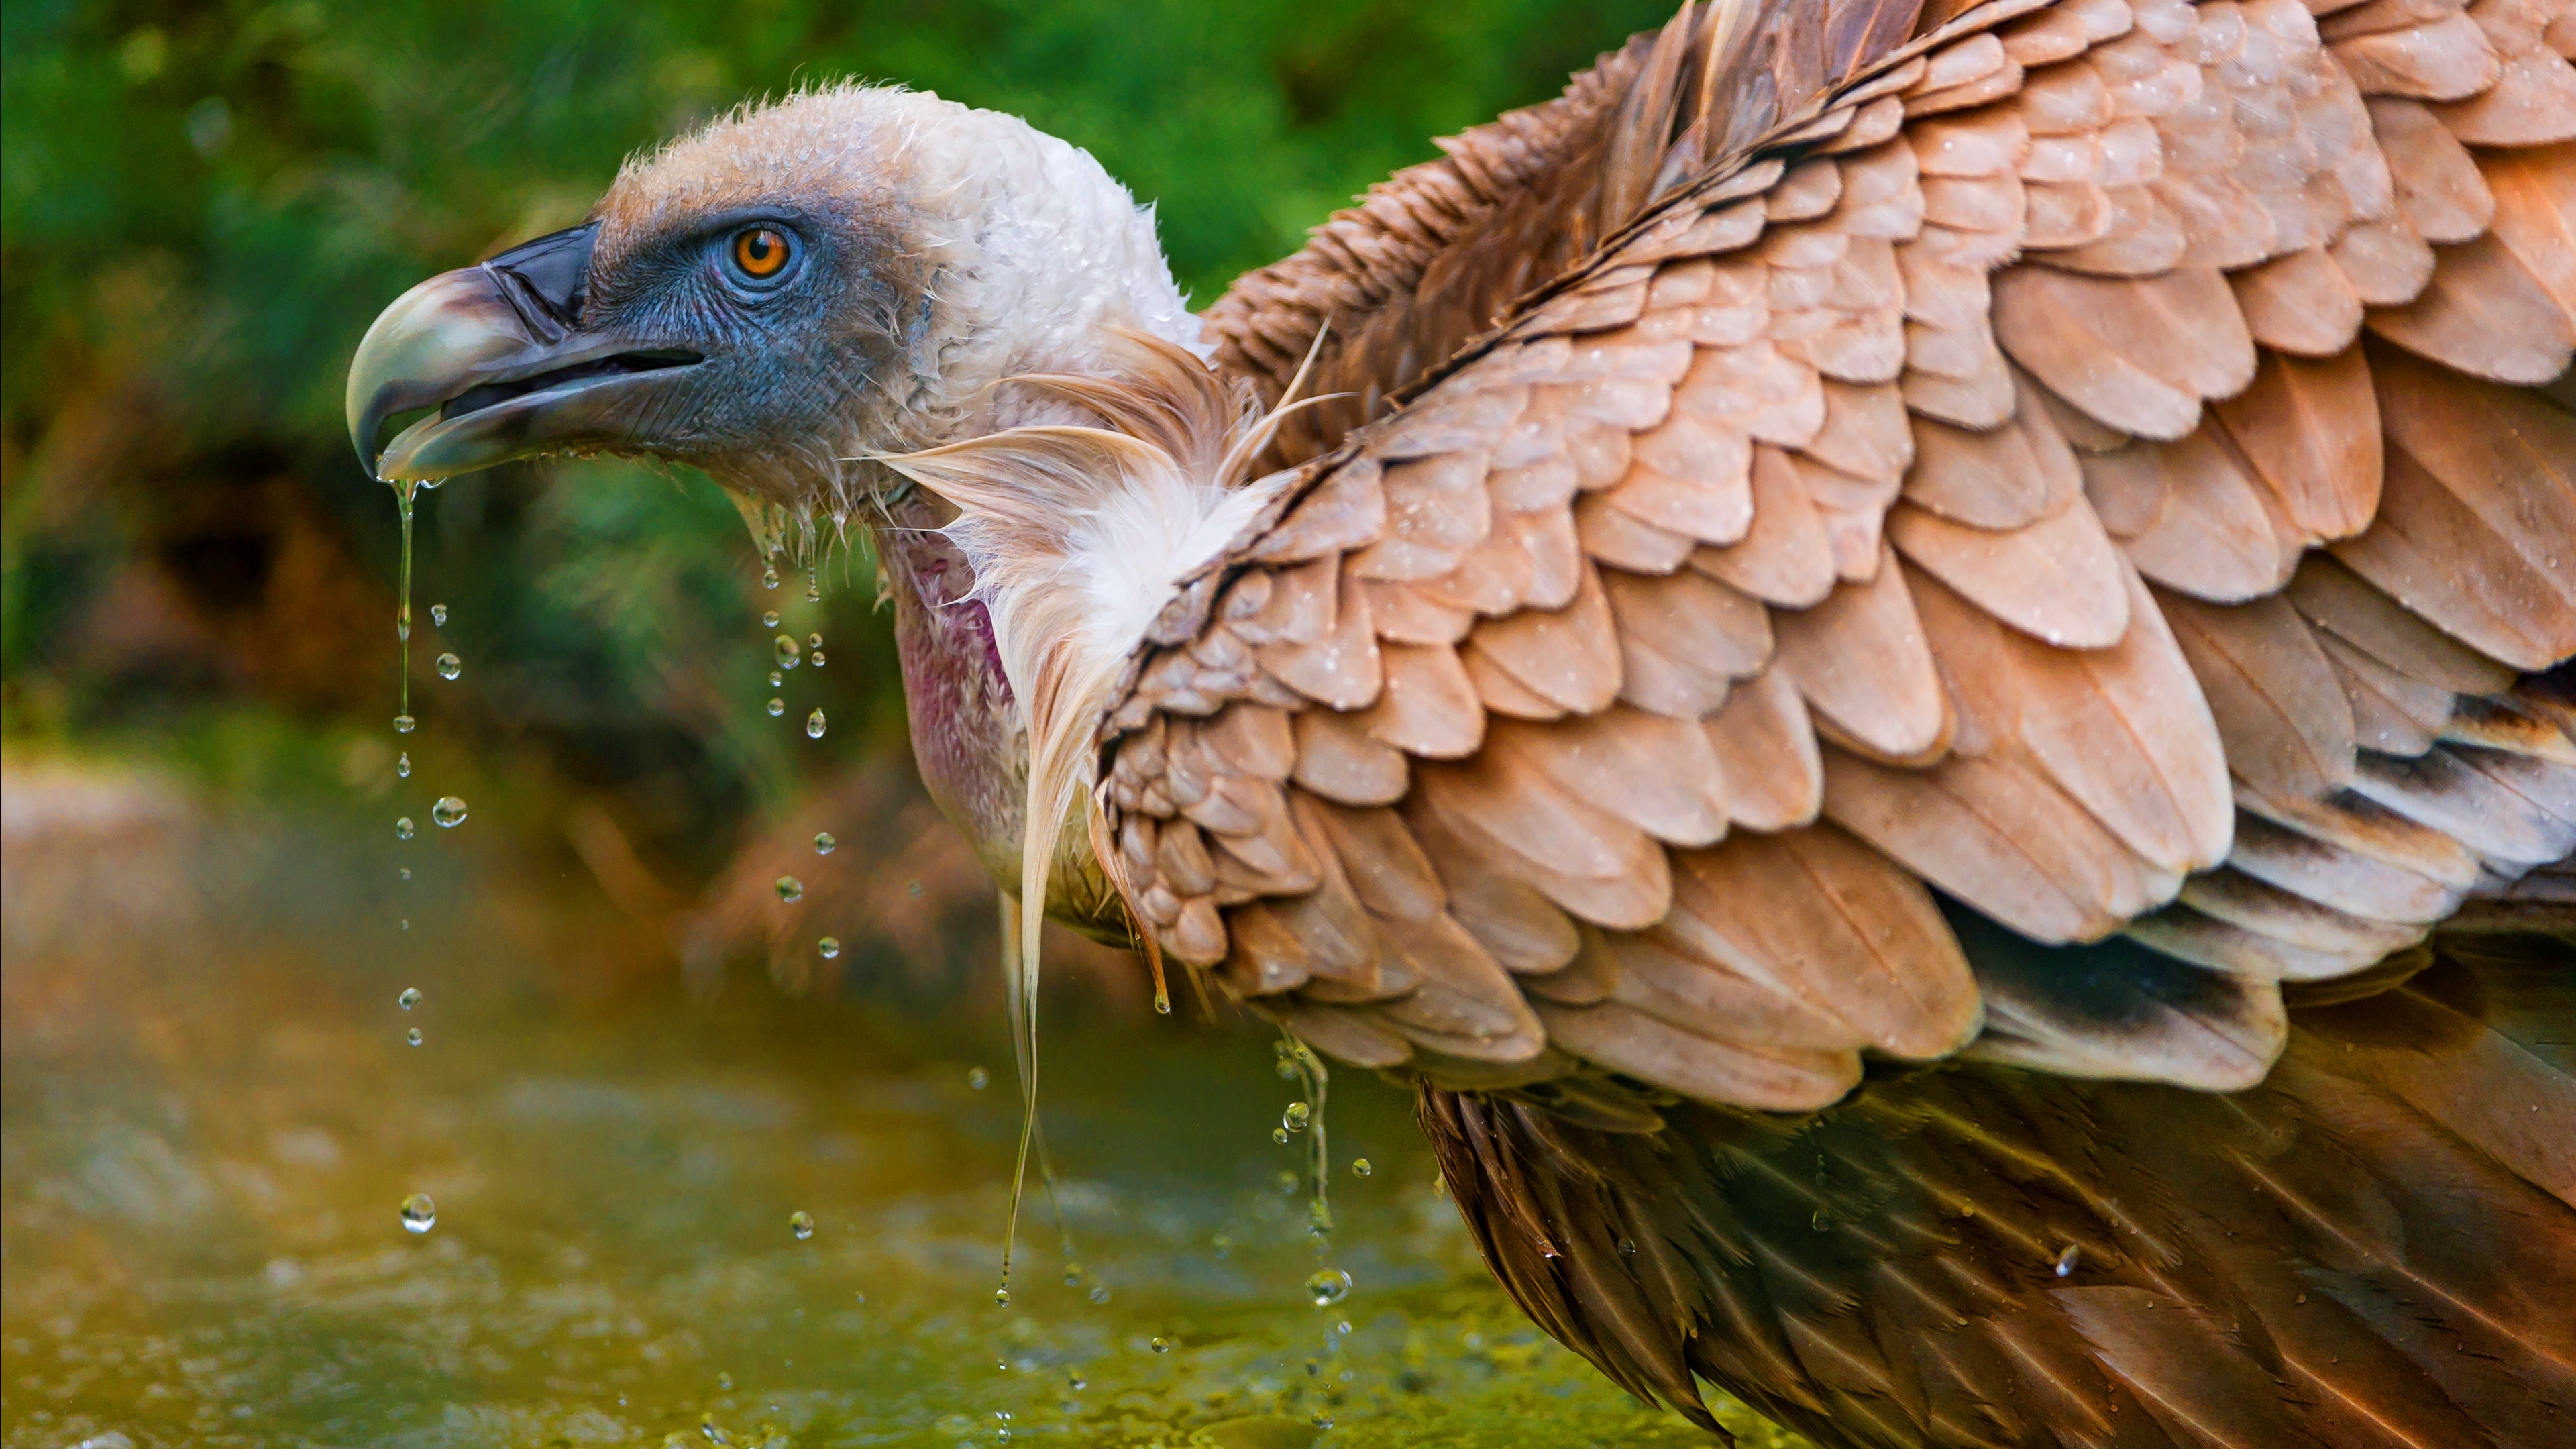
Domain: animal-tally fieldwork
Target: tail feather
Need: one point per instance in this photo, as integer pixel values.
(2368, 1249)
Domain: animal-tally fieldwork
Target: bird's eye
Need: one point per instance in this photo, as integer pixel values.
(760, 252)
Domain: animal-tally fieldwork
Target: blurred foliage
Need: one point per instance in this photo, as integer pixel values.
(203, 205)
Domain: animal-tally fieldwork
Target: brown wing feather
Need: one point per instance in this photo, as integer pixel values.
(2073, 456)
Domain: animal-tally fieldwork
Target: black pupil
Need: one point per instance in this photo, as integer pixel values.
(760, 248)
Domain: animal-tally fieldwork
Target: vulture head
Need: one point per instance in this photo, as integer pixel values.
(864, 307)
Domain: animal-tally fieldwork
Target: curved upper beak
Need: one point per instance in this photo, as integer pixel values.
(499, 353)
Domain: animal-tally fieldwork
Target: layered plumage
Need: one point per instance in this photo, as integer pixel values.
(2033, 552)
(1898, 626)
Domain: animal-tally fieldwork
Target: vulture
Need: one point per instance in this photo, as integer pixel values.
(1889, 651)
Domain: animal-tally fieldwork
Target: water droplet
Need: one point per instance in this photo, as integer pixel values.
(1279, 1135)
(412, 1036)
(1359, 1167)
(406, 872)
(438, 615)
(1328, 1286)
(813, 641)
(830, 946)
(789, 653)
(419, 1214)
(790, 889)
(1822, 1220)
(410, 998)
(769, 576)
(1002, 1294)
(978, 1078)
(449, 666)
(814, 725)
(1628, 1247)
(1073, 1275)
(1287, 1184)
(403, 829)
(2066, 1261)
(1162, 1345)
(777, 707)
(724, 1381)
(1320, 1419)
(1222, 1245)
(402, 765)
(813, 585)
(403, 724)
(1099, 1292)
(1286, 1069)
(815, 659)
(1073, 1379)
(801, 1223)
(449, 812)
(776, 679)
(823, 842)
(769, 620)
(403, 926)
(1296, 1117)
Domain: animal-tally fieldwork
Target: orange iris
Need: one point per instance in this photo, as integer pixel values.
(760, 252)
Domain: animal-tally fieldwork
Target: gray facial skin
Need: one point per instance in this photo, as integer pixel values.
(598, 341)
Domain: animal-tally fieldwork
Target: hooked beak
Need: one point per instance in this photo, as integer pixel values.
(498, 351)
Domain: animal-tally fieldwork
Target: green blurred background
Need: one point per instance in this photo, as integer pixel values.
(637, 1061)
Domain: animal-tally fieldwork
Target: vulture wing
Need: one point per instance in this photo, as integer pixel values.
(2070, 466)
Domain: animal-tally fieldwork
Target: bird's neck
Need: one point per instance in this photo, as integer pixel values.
(1033, 250)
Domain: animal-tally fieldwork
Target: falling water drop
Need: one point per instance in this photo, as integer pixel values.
(2066, 1261)
(777, 678)
(813, 585)
(829, 946)
(1279, 1135)
(978, 1078)
(1162, 1344)
(769, 620)
(449, 666)
(789, 653)
(769, 576)
(405, 872)
(1329, 1286)
(814, 724)
(1072, 1275)
(403, 724)
(1296, 1117)
(449, 812)
(419, 1214)
(815, 659)
(403, 828)
(813, 641)
(1073, 1379)
(438, 615)
(1221, 1245)
(412, 1036)
(790, 889)
(402, 764)
(1359, 1167)
(410, 998)
(777, 706)
(1099, 1292)
(823, 842)
(801, 1223)
(1287, 1183)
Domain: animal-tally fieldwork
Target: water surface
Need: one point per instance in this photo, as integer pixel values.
(210, 1116)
